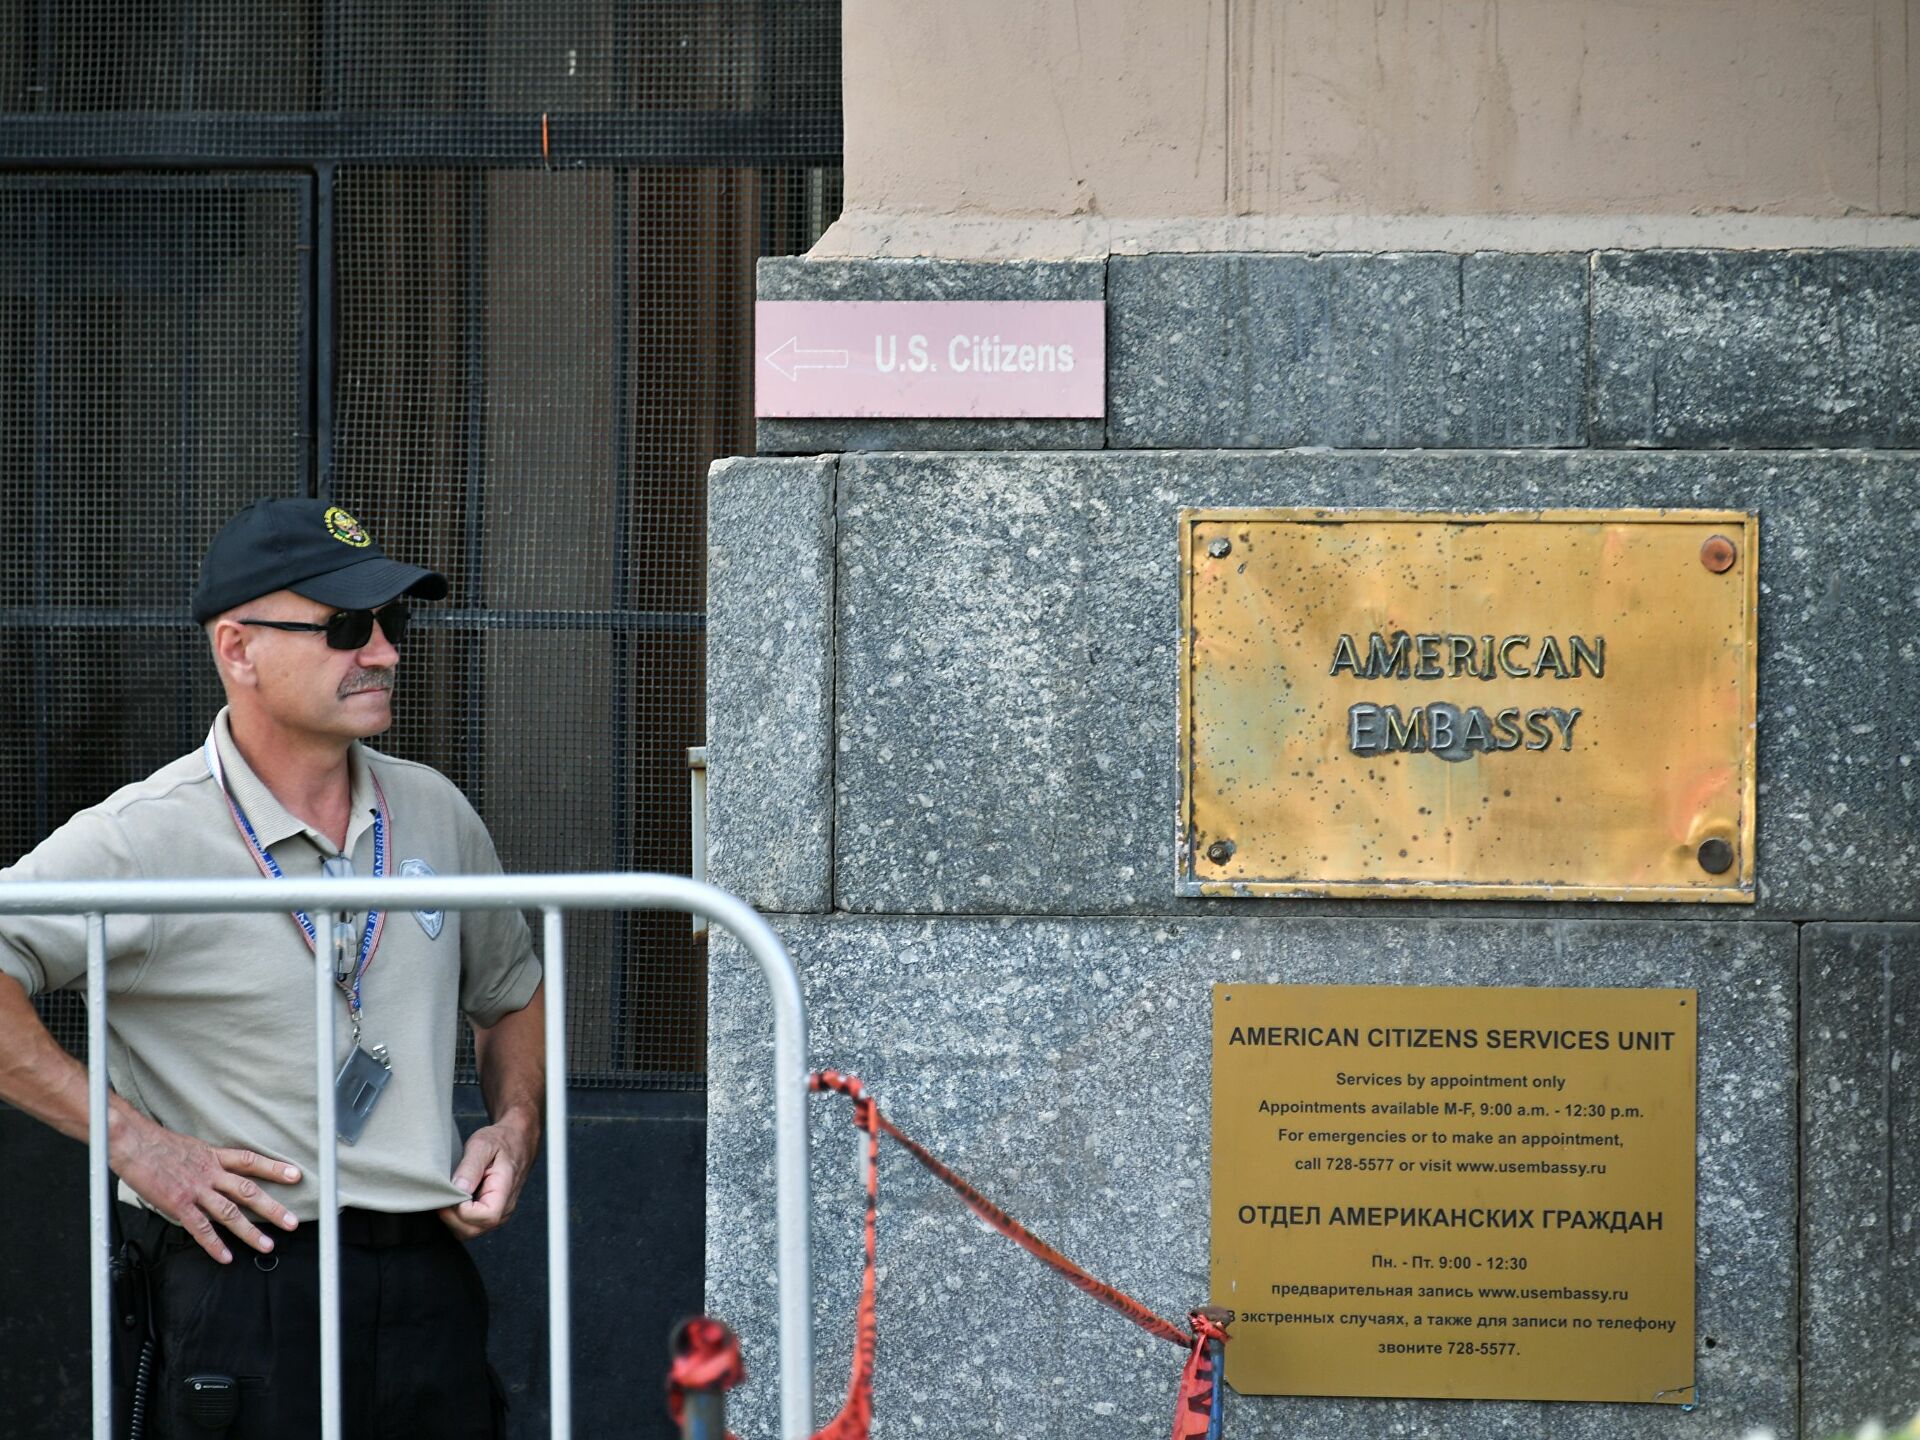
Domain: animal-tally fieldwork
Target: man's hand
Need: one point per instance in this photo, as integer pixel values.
(194, 1185)
(511, 1057)
(202, 1189)
(492, 1170)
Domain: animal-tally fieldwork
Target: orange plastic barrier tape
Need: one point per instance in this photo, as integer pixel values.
(1196, 1410)
(1117, 1300)
(856, 1414)
(707, 1356)
(1198, 1381)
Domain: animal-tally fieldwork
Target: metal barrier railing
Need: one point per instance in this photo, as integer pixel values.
(551, 895)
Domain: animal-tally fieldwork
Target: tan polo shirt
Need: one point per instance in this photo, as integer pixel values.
(210, 1017)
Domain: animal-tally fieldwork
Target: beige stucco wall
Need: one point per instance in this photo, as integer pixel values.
(1068, 126)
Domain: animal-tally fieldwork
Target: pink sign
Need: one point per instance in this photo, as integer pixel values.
(979, 358)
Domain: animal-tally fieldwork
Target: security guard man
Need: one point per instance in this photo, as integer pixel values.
(211, 1125)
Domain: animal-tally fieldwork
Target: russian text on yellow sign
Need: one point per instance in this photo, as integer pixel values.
(1455, 1192)
(1551, 705)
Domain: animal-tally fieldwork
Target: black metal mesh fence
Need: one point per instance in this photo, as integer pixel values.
(486, 280)
(621, 81)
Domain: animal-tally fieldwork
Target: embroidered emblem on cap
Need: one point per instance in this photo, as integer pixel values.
(347, 530)
(431, 921)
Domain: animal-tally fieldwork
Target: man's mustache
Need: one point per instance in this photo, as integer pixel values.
(364, 680)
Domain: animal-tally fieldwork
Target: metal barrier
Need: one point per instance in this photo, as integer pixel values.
(551, 895)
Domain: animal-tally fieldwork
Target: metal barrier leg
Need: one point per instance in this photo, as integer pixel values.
(1217, 1419)
(98, 1199)
(559, 1281)
(329, 1221)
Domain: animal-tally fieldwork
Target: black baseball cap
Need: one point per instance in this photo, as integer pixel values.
(309, 547)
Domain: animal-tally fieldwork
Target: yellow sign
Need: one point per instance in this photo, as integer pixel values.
(1557, 705)
(1454, 1192)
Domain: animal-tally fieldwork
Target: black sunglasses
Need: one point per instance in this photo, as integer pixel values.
(349, 629)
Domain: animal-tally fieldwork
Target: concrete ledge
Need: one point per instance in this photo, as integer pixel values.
(770, 595)
(787, 278)
(908, 233)
(1265, 351)
(1063, 1066)
(1860, 1174)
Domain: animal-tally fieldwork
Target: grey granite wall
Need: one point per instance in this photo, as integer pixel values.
(1063, 1064)
(942, 680)
(1860, 1117)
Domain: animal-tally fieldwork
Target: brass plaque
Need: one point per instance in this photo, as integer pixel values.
(1552, 705)
(1454, 1192)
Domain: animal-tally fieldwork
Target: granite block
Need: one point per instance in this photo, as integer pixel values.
(792, 278)
(1860, 1174)
(823, 437)
(1063, 1066)
(1368, 351)
(770, 591)
(1007, 649)
(1756, 349)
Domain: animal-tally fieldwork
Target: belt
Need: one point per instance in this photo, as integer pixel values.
(377, 1230)
(368, 1229)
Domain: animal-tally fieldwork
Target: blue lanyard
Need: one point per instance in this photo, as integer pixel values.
(370, 933)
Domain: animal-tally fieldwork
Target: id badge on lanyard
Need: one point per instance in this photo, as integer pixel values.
(364, 1075)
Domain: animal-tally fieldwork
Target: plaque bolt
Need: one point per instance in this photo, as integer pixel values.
(1718, 555)
(1716, 857)
(1220, 851)
(1220, 548)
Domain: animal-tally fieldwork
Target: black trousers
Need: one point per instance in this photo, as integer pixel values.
(413, 1335)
